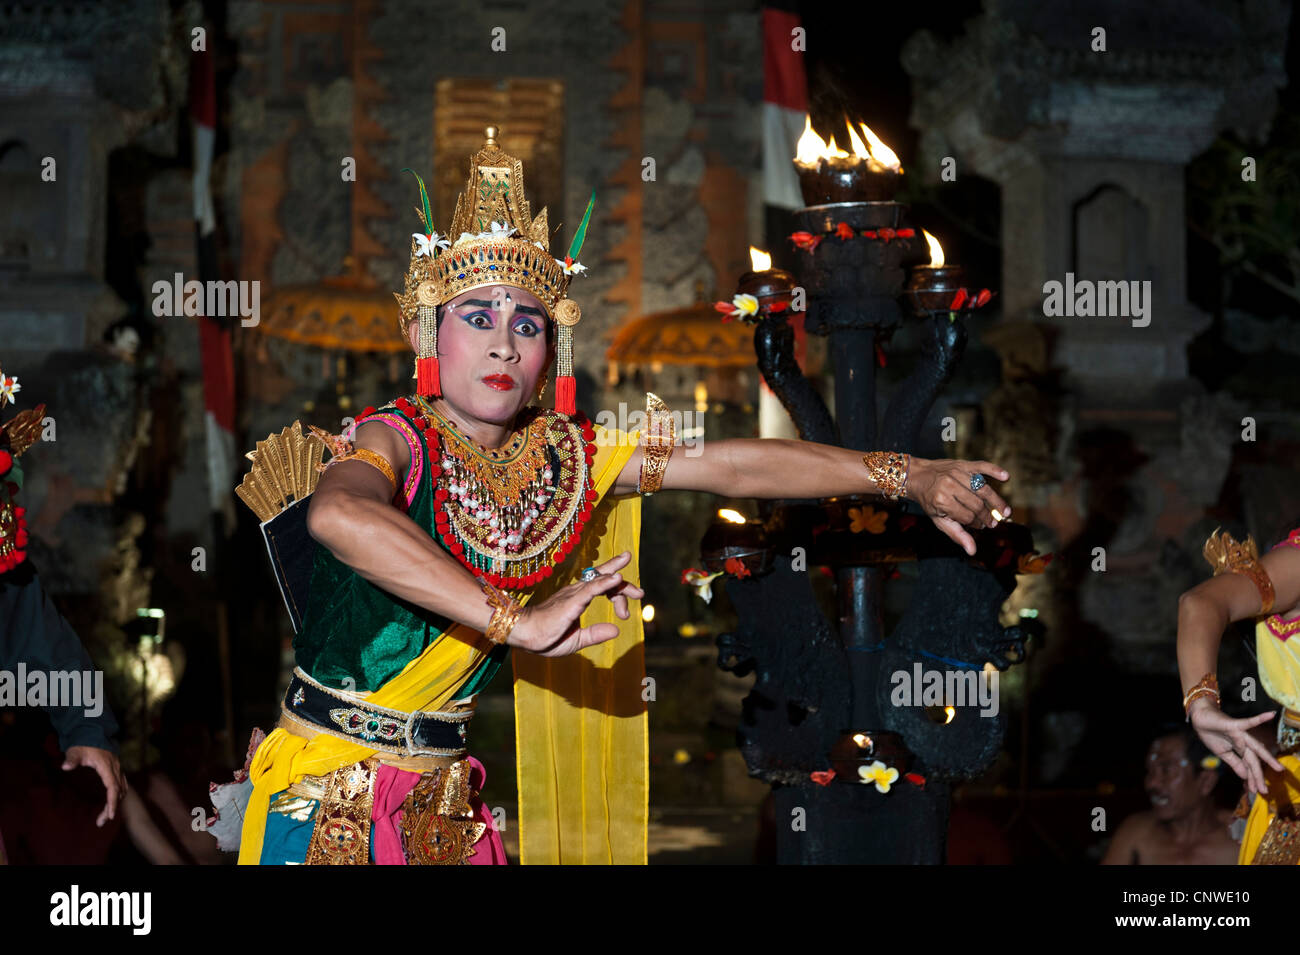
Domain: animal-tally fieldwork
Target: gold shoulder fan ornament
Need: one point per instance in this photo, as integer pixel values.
(499, 243)
(284, 471)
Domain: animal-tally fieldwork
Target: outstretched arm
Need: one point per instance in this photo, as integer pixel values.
(785, 468)
(1204, 612)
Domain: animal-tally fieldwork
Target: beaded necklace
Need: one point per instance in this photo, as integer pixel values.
(511, 514)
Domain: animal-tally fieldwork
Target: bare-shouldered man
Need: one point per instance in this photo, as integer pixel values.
(1184, 825)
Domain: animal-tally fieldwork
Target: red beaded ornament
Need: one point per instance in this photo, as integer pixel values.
(556, 521)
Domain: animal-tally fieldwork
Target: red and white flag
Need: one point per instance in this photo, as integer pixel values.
(785, 107)
(214, 331)
(785, 104)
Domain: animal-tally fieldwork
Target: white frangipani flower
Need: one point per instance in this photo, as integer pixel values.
(429, 244)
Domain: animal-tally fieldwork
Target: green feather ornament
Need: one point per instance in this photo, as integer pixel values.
(576, 245)
(424, 197)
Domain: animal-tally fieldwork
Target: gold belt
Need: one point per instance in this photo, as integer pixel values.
(414, 764)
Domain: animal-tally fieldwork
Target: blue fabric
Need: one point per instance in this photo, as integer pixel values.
(286, 840)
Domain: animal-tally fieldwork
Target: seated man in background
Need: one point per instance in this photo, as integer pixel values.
(1185, 825)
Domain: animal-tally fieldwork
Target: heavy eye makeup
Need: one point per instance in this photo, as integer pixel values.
(523, 325)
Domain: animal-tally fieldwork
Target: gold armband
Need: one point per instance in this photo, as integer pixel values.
(341, 450)
(656, 445)
(1227, 556)
(888, 471)
(505, 613)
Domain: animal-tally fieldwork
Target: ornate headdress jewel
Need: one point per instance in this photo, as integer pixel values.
(499, 242)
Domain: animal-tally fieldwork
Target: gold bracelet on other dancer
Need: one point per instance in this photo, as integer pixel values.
(1227, 556)
(1207, 686)
(504, 615)
(656, 447)
(888, 471)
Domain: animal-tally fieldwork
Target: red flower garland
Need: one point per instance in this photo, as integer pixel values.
(842, 231)
(442, 520)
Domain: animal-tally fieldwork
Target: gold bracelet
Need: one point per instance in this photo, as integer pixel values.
(888, 470)
(505, 613)
(1207, 684)
(656, 447)
(1227, 556)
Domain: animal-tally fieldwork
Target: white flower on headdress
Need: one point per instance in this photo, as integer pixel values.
(8, 388)
(570, 266)
(500, 231)
(429, 244)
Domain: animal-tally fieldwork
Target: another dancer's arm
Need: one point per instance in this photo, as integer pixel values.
(352, 514)
(34, 632)
(1204, 612)
(785, 468)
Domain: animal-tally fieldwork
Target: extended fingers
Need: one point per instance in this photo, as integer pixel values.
(989, 469)
(1256, 747)
(1256, 771)
(955, 531)
(1235, 764)
(615, 563)
(994, 502)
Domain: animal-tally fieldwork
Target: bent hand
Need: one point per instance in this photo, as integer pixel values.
(943, 489)
(553, 628)
(109, 769)
(1231, 740)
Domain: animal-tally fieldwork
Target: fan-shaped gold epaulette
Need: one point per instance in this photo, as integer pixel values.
(1225, 554)
(284, 471)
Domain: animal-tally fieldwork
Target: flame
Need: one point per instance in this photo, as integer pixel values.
(859, 147)
(810, 147)
(734, 517)
(759, 260)
(949, 712)
(880, 152)
(936, 250)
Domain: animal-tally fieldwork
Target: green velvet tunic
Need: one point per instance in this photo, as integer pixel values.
(357, 636)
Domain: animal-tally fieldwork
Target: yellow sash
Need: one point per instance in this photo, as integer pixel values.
(562, 727)
(581, 726)
(1264, 808)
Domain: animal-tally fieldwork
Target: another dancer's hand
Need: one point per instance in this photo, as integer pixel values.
(942, 488)
(110, 773)
(1231, 740)
(552, 628)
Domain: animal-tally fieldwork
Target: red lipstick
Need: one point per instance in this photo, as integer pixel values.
(499, 382)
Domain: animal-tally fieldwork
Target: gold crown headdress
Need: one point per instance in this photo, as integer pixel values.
(499, 243)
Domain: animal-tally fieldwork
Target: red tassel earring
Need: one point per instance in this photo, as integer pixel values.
(567, 314)
(428, 379)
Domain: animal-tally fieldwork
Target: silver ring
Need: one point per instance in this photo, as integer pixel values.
(590, 573)
(977, 481)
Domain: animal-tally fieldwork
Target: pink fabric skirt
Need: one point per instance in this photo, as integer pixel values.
(392, 786)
